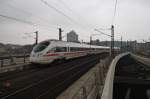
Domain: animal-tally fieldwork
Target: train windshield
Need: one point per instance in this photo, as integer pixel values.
(41, 46)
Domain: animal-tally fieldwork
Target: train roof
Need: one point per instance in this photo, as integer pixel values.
(73, 44)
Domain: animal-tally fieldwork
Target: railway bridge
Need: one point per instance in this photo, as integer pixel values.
(88, 77)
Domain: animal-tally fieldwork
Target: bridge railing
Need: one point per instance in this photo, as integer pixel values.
(108, 86)
(13, 60)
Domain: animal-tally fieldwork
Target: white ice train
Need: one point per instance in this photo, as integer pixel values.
(49, 50)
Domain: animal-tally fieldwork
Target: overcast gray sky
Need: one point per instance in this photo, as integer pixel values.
(132, 19)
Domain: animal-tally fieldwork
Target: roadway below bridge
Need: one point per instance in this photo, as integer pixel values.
(45, 82)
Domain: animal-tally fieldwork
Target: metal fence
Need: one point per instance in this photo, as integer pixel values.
(13, 60)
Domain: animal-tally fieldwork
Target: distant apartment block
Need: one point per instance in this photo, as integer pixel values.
(72, 36)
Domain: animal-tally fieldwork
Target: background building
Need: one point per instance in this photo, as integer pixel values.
(72, 36)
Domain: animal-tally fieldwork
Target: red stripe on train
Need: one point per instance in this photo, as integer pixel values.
(51, 55)
(56, 54)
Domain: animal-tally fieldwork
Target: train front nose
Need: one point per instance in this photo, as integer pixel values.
(34, 58)
(38, 51)
(40, 58)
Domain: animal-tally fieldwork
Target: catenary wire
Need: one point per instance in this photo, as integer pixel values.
(115, 9)
(62, 13)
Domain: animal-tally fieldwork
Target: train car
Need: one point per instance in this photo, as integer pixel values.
(50, 50)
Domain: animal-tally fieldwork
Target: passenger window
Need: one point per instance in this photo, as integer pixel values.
(73, 49)
(61, 49)
(52, 50)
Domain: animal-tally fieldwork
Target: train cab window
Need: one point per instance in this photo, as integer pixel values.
(41, 46)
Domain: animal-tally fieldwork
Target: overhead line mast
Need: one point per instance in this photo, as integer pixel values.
(60, 34)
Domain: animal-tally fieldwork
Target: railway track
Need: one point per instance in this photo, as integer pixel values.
(14, 74)
(47, 82)
(132, 79)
